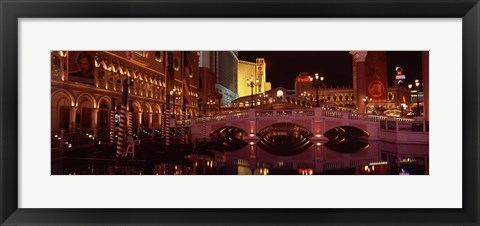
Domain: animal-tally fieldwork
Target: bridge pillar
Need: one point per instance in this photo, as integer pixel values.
(252, 123)
(318, 122)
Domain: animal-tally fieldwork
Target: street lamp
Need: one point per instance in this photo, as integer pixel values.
(366, 100)
(252, 83)
(211, 103)
(417, 89)
(304, 95)
(316, 84)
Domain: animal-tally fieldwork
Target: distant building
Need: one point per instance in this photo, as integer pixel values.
(344, 98)
(226, 71)
(255, 70)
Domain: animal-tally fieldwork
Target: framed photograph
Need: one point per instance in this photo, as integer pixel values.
(332, 112)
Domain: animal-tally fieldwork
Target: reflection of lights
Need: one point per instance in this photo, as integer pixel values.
(55, 136)
(305, 171)
(252, 143)
(377, 163)
(210, 164)
(318, 135)
(408, 160)
(369, 169)
(264, 171)
(59, 138)
(319, 144)
(69, 145)
(251, 135)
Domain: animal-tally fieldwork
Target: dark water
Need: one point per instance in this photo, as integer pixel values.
(372, 158)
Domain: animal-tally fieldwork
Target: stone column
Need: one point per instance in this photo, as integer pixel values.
(139, 118)
(139, 122)
(94, 119)
(150, 120)
(94, 122)
(62, 68)
(73, 114)
(359, 59)
(425, 78)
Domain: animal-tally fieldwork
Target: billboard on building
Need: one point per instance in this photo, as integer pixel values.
(81, 66)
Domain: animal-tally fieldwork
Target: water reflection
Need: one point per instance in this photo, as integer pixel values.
(378, 158)
(285, 139)
(346, 139)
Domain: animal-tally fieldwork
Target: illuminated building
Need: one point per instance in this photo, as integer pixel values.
(83, 102)
(226, 63)
(256, 70)
(343, 98)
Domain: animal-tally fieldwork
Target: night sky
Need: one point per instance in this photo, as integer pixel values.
(336, 67)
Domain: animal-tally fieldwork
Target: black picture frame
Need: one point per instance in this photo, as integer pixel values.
(12, 10)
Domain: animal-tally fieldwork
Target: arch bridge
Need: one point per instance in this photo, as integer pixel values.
(317, 121)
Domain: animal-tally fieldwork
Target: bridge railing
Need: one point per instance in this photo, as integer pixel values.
(264, 114)
(306, 112)
(238, 115)
(365, 117)
(332, 114)
(284, 113)
(404, 124)
(385, 122)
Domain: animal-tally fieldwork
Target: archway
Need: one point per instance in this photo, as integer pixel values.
(84, 112)
(60, 110)
(228, 138)
(346, 139)
(284, 139)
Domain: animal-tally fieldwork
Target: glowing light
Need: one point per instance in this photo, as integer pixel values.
(319, 144)
(318, 135)
(252, 143)
(251, 135)
(69, 145)
(377, 163)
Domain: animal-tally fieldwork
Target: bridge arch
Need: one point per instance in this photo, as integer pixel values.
(285, 139)
(347, 139)
(228, 138)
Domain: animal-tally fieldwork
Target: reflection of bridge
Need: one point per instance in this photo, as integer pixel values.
(317, 121)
